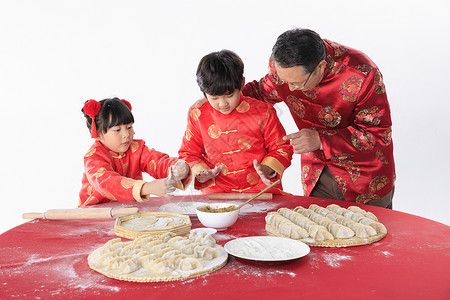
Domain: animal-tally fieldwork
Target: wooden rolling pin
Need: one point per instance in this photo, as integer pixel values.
(81, 213)
(238, 196)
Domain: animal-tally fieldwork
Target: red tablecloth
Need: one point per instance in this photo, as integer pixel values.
(45, 259)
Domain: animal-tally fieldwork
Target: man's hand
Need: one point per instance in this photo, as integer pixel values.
(304, 141)
(206, 175)
(263, 172)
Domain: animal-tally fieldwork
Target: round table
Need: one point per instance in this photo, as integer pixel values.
(44, 259)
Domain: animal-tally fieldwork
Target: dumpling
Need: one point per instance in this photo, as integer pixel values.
(137, 252)
(170, 254)
(348, 213)
(182, 243)
(379, 227)
(129, 266)
(175, 240)
(341, 232)
(175, 260)
(307, 212)
(314, 207)
(160, 266)
(205, 252)
(163, 251)
(188, 249)
(190, 263)
(114, 244)
(151, 244)
(298, 233)
(143, 260)
(319, 233)
(128, 249)
(367, 214)
(336, 209)
(106, 258)
(202, 238)
(155, 249)
(357, 217)
(115, 263)
(361, 230)
(274, 219)
(323, 235)
(142, 240)
(299, 209)
(165, 237)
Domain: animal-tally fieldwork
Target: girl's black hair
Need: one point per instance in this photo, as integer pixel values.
(113, 112)
(220, 73)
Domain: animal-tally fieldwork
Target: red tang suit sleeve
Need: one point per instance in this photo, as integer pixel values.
(192, 148)
(265, 88)
(279, 152)
(106, 183)
(157, 164)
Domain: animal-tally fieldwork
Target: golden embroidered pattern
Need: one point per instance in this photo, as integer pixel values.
(100, 172)
(127, 183)
(243, 107)
(90, 152)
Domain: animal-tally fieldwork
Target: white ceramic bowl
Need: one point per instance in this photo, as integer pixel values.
(219, 221)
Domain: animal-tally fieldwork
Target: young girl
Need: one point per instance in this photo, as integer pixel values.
(115, 162)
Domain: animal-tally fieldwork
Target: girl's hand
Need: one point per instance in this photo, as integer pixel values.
(180, 170)
(206, 175)
(264, 172)
(159, 187)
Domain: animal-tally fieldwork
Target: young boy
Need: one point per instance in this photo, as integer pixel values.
(233, 143)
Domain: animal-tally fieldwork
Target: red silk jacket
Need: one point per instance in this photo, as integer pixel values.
(350, 111)
(109, 176)
(251, 131)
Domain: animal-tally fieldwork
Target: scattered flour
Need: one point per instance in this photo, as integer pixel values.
(334, 259)
(223, 236)
(61, 269)
(250, 270)
(387, 253)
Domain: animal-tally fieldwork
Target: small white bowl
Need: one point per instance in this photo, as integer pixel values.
(219, 221)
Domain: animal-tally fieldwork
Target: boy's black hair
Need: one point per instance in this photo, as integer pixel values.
(113, 112)
(220, 73)
(299, 47)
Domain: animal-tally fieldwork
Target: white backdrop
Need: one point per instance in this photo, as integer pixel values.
(54, 55)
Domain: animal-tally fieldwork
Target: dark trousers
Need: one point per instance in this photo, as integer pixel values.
(326, 187)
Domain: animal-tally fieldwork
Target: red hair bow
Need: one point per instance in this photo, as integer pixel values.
(91, 108)
(126, 103)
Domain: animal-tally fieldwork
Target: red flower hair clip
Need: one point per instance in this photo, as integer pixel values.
(126, 103)
(91, 108)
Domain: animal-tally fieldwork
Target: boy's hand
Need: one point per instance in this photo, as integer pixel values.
(263, 171)
(159, 187)
(206, 175)
(180, 170)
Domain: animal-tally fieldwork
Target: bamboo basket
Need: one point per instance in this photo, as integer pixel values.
(121, 229)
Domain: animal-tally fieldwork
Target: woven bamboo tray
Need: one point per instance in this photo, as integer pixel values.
(124, 225)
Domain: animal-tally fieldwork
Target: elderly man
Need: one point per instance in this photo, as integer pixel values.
(338, 101)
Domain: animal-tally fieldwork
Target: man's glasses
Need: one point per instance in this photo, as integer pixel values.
(297, 85)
